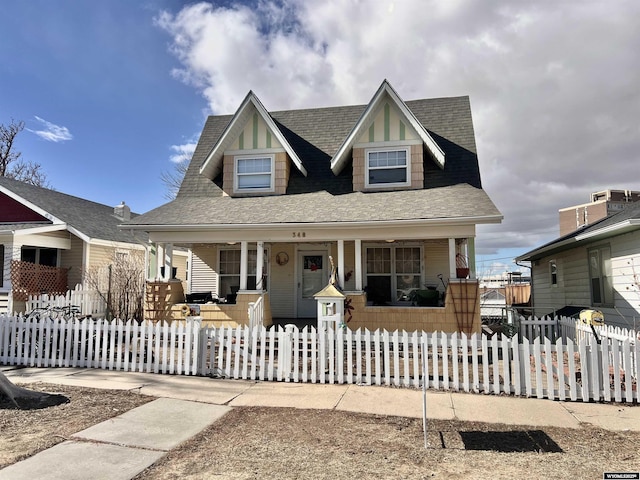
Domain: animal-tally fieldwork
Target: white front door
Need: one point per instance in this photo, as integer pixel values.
(313, 276)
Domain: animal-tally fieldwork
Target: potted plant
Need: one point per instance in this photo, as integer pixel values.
(462, 267)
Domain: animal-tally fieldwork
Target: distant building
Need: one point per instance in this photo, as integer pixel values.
(602, 205)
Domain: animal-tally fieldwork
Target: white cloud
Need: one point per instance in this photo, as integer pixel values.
(182, 153)
(553, 85)
(52, 132)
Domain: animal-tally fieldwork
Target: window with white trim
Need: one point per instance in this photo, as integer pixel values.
(254, 174)
(388, 168)
(229, 272)
(393, 274)
(600, 276)
(553, 272)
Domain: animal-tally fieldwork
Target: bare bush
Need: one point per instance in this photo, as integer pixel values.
(121, 284)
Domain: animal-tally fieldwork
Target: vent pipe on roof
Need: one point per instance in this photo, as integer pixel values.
(122, 211)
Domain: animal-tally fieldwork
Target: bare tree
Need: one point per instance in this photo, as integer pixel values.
(173, 179)
(121, 284)
(11, 165)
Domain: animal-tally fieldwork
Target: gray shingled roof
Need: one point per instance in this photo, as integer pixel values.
(566, 242)
(94, 220)
(316, 135)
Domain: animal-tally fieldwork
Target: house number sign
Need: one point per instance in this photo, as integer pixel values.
(299, 234)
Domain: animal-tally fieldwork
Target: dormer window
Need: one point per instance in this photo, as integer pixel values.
(388, 168)
(254, 174)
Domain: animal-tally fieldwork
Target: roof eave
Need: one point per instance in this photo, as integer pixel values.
(600, 233)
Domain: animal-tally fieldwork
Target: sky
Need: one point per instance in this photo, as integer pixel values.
(113, 93)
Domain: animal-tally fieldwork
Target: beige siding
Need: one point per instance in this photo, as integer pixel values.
(573, 282)
(436, 261)
(72, 259)
(100, 256)
(203, 269)
(261, 137)
(625, 269)
(395, 119)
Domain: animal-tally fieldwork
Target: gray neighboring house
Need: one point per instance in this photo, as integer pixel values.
(596, 267)
(53, 239)
(390, 190)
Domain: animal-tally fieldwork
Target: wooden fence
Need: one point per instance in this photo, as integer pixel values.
(585, 370)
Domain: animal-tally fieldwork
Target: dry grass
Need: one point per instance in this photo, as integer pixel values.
(257, 443)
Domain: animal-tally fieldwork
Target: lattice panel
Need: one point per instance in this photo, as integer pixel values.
(32, 279)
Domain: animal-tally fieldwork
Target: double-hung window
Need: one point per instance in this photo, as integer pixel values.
(393, 273)
(600, 276)
(388, 168)
(229, 272)
(254, 174)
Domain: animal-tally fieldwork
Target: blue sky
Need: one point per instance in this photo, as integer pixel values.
(110, 91)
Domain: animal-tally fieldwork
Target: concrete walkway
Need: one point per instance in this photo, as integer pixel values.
(121, 447)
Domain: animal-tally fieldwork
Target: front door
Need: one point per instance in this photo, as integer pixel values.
(313, 276)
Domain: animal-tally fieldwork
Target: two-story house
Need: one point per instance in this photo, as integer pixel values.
(390, 191)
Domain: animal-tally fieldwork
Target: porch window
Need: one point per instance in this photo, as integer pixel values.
(254, 174)
(229, 272)
(600, 276)
(393, 274)
(40, 256)
(388, 168)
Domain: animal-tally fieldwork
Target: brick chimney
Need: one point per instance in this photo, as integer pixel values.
(122, 211)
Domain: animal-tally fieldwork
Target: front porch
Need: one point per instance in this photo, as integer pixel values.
(460, 312)
(385, 282)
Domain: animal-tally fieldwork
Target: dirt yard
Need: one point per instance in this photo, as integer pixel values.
(257, 443)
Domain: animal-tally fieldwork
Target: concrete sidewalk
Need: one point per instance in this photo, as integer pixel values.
(121, 447)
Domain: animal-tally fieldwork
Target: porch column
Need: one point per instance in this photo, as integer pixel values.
(452, 258)
(259, 265)
(471, 256)
(244, 265)
(168, 261)
(12, 251)
(358, 262)
(159, 260)
(341, 263)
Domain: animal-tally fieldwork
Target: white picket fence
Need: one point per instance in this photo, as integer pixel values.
(89, 301)
(562, 369)
(570, 328)
(97, 343)
(585, 371)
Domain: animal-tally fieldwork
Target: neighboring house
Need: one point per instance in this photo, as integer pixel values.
(602, 204)
(595, 267)
(390, 191)
(49, 241)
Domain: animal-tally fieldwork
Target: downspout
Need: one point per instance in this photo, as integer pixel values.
(530, 267)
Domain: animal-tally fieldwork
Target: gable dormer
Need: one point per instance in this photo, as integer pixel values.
(252, 153)
(387, 146)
